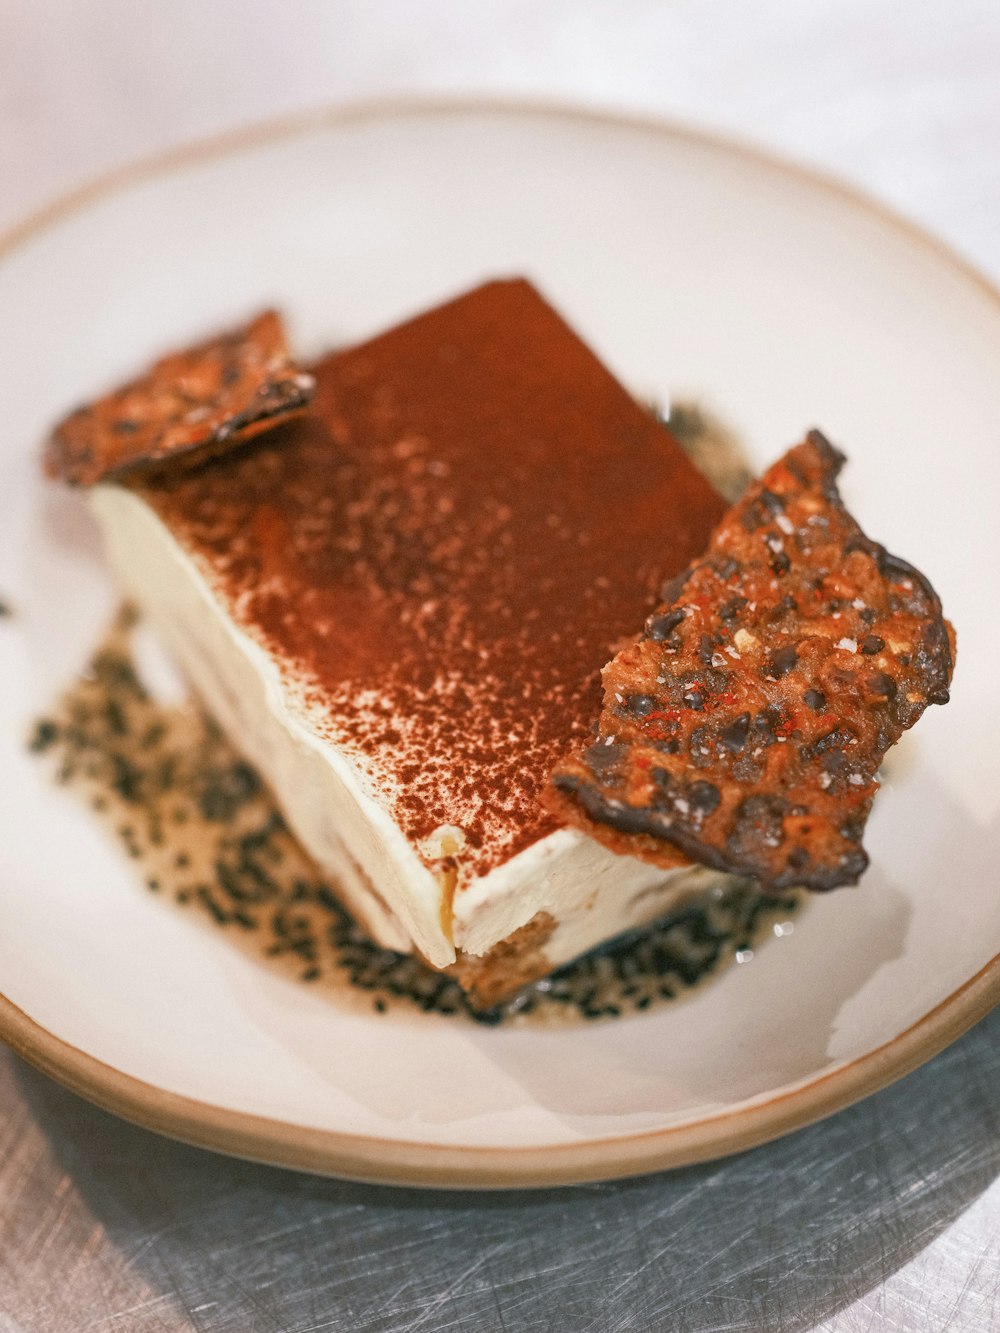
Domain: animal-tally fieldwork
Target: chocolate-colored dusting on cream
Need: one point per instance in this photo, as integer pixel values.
(443, 553)
(204, 833)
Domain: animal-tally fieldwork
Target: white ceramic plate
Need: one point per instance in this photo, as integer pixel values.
(695, 267)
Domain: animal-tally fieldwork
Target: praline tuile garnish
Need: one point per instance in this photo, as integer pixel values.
(745, 727)
(188, 407)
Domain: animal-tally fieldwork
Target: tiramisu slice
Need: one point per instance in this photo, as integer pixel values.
(398, 606)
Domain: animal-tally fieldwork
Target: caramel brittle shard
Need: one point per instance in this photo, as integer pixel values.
(745, 727)
(187, 406)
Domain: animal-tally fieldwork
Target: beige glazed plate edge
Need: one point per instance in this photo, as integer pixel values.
(401, 1163)
(390, 1162)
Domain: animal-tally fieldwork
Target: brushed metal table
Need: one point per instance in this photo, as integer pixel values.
(886, 1216)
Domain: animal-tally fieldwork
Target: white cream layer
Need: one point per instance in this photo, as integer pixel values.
(591, 893)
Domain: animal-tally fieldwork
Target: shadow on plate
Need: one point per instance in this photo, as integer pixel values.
(784, 1236)
(694, 1059)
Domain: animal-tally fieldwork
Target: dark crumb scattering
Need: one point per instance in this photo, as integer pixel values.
(231, 858)
(45, 734)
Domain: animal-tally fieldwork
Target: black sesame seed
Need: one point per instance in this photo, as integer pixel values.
(831, 741)
(659, 627)
(782, 661)
(733, 736)
(640, 704)
(703, 797)
(212, 907)
(883, 685)
(44, 735)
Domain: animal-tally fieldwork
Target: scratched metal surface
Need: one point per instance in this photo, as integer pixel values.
(886, 1216)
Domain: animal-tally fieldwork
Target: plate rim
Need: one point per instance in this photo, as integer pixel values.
(412, 1163)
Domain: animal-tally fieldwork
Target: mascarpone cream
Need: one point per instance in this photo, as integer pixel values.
(398, 608)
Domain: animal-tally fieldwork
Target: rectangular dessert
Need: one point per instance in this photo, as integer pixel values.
(398, 606)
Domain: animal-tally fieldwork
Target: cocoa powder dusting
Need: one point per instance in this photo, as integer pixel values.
(443, 553)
